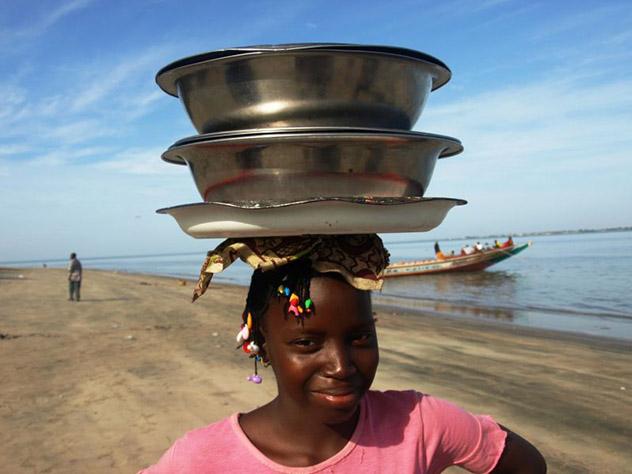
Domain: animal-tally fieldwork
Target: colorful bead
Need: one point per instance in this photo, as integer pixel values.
(308, 303)
(255, 378)
(243, 334)
(294, 306)
(286, 291)
(249, 321)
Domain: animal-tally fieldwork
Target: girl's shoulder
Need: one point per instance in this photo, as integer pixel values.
(200, 450)
(392, 400)
(446, 433)
(428, 406)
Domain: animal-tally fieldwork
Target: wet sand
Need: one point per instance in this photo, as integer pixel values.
(107, 384)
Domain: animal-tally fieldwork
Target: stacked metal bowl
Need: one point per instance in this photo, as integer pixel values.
(308, 139)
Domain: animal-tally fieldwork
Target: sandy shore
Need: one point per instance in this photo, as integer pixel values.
(107, 384)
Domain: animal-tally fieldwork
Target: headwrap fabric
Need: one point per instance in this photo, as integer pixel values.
(360, 259)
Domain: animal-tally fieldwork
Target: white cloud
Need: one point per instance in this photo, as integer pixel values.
(580, 20)
(106, 79)
(138, 161)
(12, 99)
(140, 105)
(105, 100)
(59, 157)
(553, 119)
(39, 26)
(9, 149)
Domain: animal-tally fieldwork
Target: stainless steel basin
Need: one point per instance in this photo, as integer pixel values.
(291, 165)
(304, 86)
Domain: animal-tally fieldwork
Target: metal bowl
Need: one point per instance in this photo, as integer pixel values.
(299, 164)
(307, 85)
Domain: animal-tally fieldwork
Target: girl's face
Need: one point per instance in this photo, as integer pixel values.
(325, 363)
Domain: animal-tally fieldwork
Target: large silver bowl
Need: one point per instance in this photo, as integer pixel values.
(304, 86)
(299, 164)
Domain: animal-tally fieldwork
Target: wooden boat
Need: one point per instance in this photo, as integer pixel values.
(458, 263)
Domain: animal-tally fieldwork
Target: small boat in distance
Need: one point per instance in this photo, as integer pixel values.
(473, 262)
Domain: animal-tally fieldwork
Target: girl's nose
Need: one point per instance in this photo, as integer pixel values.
(339, 361)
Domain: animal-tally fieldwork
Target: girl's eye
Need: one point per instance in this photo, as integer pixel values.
(362, 339)
(304, 343)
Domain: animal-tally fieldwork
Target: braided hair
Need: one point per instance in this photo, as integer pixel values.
(296, 275)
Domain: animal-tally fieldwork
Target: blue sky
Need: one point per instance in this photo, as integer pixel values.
(541, 97)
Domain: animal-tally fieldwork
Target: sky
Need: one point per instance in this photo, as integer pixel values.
(540, 96)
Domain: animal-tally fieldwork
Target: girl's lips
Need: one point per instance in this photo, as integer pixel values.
(338, 398)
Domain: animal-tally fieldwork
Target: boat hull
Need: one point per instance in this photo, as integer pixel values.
(467, 263)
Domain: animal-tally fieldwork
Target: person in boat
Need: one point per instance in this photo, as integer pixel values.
(467, 250)
(508, 243)
(308, 315)
(438, 253)
(478, 247)
(496, 244)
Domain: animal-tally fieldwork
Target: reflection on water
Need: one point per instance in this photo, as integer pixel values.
(442, 308)
(481, 289)
(453, 293)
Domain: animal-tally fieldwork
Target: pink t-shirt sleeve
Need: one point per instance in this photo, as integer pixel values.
(457, 437)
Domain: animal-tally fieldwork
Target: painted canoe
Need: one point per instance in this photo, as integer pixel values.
(466, 263)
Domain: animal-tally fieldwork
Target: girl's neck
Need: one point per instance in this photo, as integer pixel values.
(289, 436)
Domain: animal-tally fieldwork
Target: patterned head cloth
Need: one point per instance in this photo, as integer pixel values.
(360, 259)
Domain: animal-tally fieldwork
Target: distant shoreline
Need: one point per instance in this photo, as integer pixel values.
(515, 235)
(519, 235)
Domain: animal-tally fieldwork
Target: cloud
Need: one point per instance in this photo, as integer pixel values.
(107, 99)
(540, 125)
(121, 78)
(12, 99)
(138, 161)
(39, 26)
(79, 131)
(579, 20)
(63, 156)
(8, 149)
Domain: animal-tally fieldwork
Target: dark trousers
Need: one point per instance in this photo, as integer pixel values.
(74, 288)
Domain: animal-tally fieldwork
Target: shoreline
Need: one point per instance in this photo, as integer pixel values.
(472, 321)
(405, 304)
(107, 384)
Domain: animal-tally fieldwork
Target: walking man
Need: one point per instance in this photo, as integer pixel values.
(74, 278)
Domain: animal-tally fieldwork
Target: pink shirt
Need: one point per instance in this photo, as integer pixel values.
(397, 432)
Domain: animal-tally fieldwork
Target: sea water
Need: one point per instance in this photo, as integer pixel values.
(577, 283)
(580, 283)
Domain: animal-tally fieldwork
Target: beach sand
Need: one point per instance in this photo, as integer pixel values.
(107, 384)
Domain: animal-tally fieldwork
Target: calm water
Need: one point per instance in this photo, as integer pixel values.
(575, 283)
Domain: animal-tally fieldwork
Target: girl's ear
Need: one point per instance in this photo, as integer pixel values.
(264, 345)
(264, 354)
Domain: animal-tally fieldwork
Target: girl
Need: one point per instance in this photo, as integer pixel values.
(308, 315)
